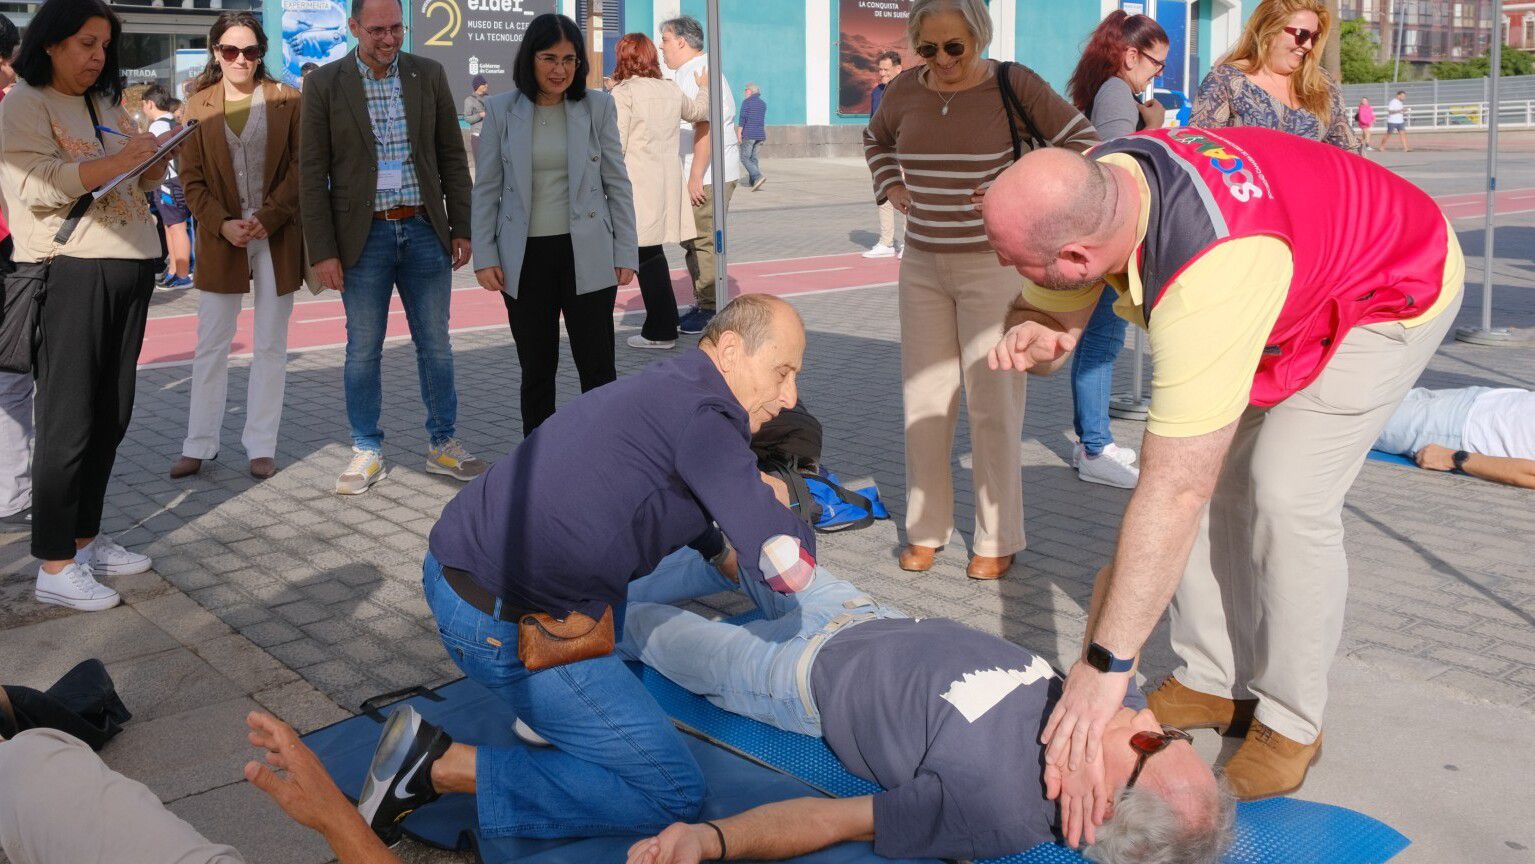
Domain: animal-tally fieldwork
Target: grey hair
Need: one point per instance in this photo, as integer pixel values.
(1089, 212)
(977, 20)
(1147, 829)
(749, 316)
(686, 28)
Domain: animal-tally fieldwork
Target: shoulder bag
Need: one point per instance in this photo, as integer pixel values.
(1011, 106)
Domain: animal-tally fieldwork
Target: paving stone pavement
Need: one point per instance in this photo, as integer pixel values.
(315, 599)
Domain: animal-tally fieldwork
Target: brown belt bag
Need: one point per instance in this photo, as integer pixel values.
(544, 641)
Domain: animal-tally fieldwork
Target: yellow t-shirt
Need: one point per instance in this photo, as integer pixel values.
(1213, 321)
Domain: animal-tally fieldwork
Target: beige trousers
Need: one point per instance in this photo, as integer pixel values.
(60, 804)
(699, 251)
(1259, 612)
(887, 216)
(952, 309)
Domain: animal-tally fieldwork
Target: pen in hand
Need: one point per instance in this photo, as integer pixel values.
(110, 131)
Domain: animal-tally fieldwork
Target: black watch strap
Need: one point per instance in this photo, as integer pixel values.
(1459, 459)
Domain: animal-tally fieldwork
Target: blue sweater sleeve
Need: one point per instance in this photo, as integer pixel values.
(775, 546)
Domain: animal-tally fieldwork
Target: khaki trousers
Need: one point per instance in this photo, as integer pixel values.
(887, 224)
(952, 309)
(1259, 612)
(60, 804)
(700, 250)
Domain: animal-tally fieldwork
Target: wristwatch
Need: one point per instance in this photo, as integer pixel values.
(1459, 459)
(1103, 659)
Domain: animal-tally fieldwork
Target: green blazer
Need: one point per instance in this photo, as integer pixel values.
(339, 163)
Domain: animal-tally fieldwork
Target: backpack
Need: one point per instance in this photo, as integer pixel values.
(789, 447)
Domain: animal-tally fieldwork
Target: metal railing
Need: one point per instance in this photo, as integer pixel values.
(1462, 115)
(1458, 104)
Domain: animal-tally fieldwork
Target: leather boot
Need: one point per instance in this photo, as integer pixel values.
(1269, 764)
(988, 568)
(917, 559)
(263, 467)
(186, 466)
(1177, 705)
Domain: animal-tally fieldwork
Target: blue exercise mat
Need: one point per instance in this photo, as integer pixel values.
(1392, 458)
(470, 713)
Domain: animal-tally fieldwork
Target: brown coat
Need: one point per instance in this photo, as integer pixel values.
(207, 178)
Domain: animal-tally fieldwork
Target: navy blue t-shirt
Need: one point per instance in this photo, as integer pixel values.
(947, 720)
(612, 483)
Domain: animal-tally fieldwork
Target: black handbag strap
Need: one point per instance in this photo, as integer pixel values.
(1011, 105)
(84, 202)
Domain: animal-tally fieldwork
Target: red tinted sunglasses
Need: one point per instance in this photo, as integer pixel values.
(230, 52)
(1149, 744)
(1302, 35)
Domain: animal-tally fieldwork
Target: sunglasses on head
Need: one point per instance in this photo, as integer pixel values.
(230, 52)
(928, 50)
(1149, 744)
(1302, 35)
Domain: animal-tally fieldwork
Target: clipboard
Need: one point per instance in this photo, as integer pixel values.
(163, 151)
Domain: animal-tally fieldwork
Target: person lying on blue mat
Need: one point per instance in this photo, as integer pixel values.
(1482, 431)
(944, 717)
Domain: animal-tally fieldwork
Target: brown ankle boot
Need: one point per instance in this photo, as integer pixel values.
(186, 466)
(987, 567)
(1269, 764)
(917, 559)
(1177, 705)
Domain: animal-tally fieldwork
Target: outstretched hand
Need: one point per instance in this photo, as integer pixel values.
(305, 790)
(1028, 345)
(1084, 799)
(1087, 704)
(677, 844)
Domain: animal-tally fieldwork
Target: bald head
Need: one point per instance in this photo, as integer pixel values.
(756, 318)
(1048, 199)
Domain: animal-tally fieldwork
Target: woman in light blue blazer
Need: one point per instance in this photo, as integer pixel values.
(553, 217)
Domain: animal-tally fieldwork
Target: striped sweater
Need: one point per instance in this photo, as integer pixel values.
(945, 158)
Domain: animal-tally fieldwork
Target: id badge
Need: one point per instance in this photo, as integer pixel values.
(391, 175)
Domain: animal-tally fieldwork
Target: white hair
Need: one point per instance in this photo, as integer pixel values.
(1147, 829)
(977, 20)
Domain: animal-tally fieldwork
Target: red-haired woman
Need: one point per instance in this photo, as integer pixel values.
(651, 111)
(1123, 56)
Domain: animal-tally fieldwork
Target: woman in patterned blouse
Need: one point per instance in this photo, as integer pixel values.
(1273, 78)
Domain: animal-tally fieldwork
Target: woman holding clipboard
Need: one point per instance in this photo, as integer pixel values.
(97, 279)
(240, 173)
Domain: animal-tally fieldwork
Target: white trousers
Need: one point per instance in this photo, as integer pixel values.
(217, 317)
(15, 442)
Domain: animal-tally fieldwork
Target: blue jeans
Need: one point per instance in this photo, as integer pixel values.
(617, 765)
(1428, 417)
(1092, 375)
(760, 669)
(406, 253)
(749, 160)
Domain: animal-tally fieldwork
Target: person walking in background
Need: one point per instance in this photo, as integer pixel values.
(751, 128)
(553, 220)
(240, 169)
(889, 65)
(99, 282)
(159, 107)
(1123, 56)
(474, 115)
(945, 130)
(15, 387)
(1396, 121)
(1274, 78)
(650, 111)
(682, 46)
(304, 70)
(385, 203)
(1364, 118)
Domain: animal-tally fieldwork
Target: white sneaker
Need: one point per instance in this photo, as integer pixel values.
(880, 250)
(1112, 467)
(108, 558)
(1123, 454)
(74, 587)
(366, 468)
(660, 344)
(525, 733)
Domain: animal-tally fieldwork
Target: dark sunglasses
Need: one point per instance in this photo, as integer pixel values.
(928, 50)
(1302, 35)
(1149, 744)
(230, 52)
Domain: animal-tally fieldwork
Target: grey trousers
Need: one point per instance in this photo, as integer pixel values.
(60, 804)
(1259, 612)
(15, 442)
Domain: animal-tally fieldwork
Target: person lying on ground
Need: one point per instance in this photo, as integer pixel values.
(963, 774)
(1482, 431)
(46, 774)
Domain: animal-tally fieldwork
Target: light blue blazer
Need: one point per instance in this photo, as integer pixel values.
(601, 201)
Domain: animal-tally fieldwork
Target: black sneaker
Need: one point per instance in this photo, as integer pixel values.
(400, 776)
(695, 321)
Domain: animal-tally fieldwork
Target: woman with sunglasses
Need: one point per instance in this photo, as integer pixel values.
(1123, 56)
(240, 172)
(939, 139)
(1274, 78)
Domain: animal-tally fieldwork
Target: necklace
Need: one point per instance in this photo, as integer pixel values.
(945, 111)
(927, 80)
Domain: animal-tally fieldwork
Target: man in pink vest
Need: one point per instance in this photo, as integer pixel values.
(1293, 293)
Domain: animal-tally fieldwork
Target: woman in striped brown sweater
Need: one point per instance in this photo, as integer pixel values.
(940, 138)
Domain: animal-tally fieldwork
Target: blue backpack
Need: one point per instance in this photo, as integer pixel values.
(819, 497)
